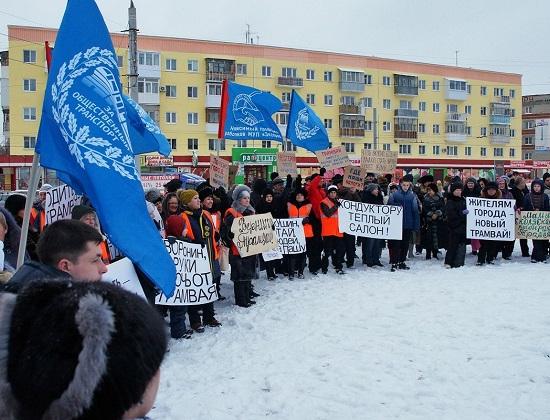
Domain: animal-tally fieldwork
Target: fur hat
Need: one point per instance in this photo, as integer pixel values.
(153, 195)
(433, 186)
(277, 180)
(456, 186)
(174, 226)
(15, 203)
(426, 178)
(173, 185)
(332, 188)
(80, 211)
(297, 191)
(505, 179)
(372, 186)
(267, 191)
(274, 175)
(206, 192)
(407, 178)
(537, 182)
(73, 350)
(491, 185)
(471, 179)
(185, 196)
(337, 179)
(241, 191)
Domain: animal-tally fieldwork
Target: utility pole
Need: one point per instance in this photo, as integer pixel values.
(132, 52)
(375, 128)
(456, 57)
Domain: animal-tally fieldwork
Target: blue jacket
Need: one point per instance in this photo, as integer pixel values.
(33, 270)
(409, 202)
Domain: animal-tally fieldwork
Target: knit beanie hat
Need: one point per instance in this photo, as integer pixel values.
(15, 203)
(407, 178)
(153, 195)
(433, 186)
(274, 175)
(185, 196)
(471, 179)
(456, 186)
(174, 226)
(206, 192)
(72, 350)
(491, 185)
(372, 186)
(45, 188)
(80, 211)
(240, 191)
(277, 180)
(332, 188)
(173, 185)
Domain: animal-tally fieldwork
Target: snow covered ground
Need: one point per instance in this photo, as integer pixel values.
(429, 343)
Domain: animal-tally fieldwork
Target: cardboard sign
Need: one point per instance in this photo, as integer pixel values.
(156, 181)
(233, 169)
(378, 161)
(159, 161)
(272, 255)
(286, 164)
(334, 158)
(219, 172)
(370, 220)
(254, 234)
(60, 202)
(354, 177)
(490, 219)
(533, 225)
(290, 236)
(194, 283)
(123, 274)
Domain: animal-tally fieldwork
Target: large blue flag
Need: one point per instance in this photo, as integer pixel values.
(246, 113)
(85, 135)
(305, 129)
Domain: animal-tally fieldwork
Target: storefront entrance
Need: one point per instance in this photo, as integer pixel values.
(254, 172)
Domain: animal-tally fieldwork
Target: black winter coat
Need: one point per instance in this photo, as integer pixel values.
(456, 219)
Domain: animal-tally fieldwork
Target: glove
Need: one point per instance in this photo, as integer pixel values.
(465, 211)
(230, 235)
(273, 225)
(338, 204)
(305, 220)
(322, 171)
(202, 244)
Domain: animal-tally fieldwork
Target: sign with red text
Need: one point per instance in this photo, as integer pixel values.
(354, 177)
(378, 161)
(334, 158)
(286, 163)
(219, 172)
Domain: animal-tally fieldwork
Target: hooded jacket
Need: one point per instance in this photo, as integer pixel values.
(409, 202)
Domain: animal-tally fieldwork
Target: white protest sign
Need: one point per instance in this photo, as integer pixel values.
(290, 236)
(490, 219)
(254, 234)
(379, 161)
(354, 177)
(194, 283)
(533, 225)
(123, 274)
(370, 220)
(286, 163)
(272, 255)
(156, 181)
(219, 172)
(59, 203)
(334, 158)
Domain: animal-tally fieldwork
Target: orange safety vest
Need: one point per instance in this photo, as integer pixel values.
(295, 212)
(329, 225)
(34, 215)
(105, 254)
(235, 214)
(191, 234)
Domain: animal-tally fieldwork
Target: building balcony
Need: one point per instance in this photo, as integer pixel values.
(297, 82)
(406, 113)
(219, 76)
(405, 90)
(149, 98)
(352, 132)
(212, 127)
(499, 119)
(456, 137)
(349, 109)
(285, 106)
(351, 86)
(405, 135)
(503, 99)
(499, 139)
(455, 116)
(213, 101)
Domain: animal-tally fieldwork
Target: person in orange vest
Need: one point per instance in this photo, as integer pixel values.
(88, 215)
(38, 213)
(242, 268)
(299, 207)
(200, 229)
(333, 243)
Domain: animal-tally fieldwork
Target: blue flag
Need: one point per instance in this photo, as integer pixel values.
(305, 129)
(85, 136)
(246, 113)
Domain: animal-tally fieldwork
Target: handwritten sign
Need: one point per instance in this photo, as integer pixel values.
(290, 236)
(378, 161)
(354, 177)
(370, 220)
(490, 219)
(254, 234)
(334, 158)
(219, 172)
(123, 274)
(60, 202)
(286, 163)
(533, 225)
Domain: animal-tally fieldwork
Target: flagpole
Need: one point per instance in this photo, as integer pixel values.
(32, 187)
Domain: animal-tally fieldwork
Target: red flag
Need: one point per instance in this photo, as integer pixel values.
(223, 110)
(48, 54)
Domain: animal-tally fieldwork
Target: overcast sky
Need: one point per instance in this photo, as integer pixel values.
(504, 35)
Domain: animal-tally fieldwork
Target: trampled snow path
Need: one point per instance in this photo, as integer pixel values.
(430, 343)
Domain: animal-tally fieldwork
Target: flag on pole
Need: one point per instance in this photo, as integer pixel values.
(85, 135)
(305, 129)
(246, 113)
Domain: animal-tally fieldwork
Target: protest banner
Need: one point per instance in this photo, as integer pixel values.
(490, 219)
(194, 283)
(378, 161)
(354, 177)
(286, 163)
(291, 238)
(370, 220)
(219, 172)
(123, 274)
(254, 234)
(336, 157)
(156, 181)
(533, 225)
(59, 203)
(274, 254)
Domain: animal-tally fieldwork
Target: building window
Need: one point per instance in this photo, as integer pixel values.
(386, 126)
(386, 146)
(483, 151)
(193, 65)
(512, 93)
(483, 90)
(421, 149)
(528, 141)
(171, 118)
(310, 98)
(512, 152)
(212, 143)
(285, 97)
(192, 144)
(512, 112)
(29, 85)
(368, 125)
(452, 150)
(29, 56)
(347, 100)
(310, 74)
(512, 132)
(148, 59)
(435, 85)
(350, 147)
(212, 115)
(289, 72)
(483, 132)
(386, 81)
(148, 86)
(241, 69)
(173, 143)
(422, 84)
(266, 143)
(457, 85)
(498, 91)
(281, 118)
(435, 128)
(468, 130)
(422, 106)
(368, 79)
(528, 155)
(328, 99)
(290, 147)
(29, 114)
(241, 143)
(468, 150)
(435, 107)
(214, 89)
(171, 64)
(367, 102)
(527, 109)
(192, 92)
(266, 71)
(421, 128)
(119, 61)
(386, 104)
(29, 142)
(435, 150)
(467, 109)
(405, 149)
(498, 151)
(452, 108)
(171, 91)
(469, 88)
(193, 118)
(483, 110)
(327, 76)
(367, 146)
(328, 122)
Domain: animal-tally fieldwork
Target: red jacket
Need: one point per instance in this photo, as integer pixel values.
(315, 194)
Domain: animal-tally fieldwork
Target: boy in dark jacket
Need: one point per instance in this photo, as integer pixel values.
(456, 212)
